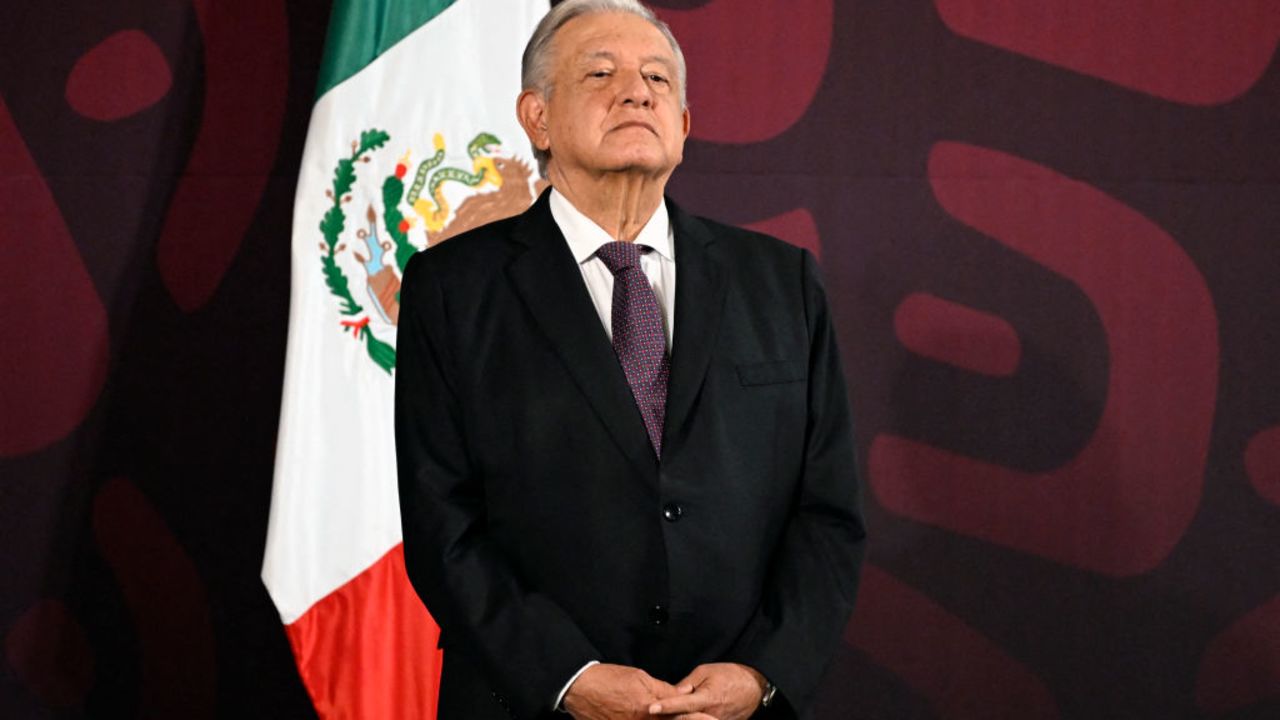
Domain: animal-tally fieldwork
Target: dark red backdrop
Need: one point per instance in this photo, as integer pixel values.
(1052, 235)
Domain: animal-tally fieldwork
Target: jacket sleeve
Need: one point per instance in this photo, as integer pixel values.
(813, 578)
(526, 644)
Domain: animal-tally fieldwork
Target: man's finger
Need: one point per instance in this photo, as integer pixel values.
(695, 677)
(661, 689)
(659, 696)
(691, 703)
(666, 691)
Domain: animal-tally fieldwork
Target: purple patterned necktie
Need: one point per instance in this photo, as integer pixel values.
(638, 338)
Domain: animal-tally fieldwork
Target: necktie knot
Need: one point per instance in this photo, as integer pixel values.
(618, 256)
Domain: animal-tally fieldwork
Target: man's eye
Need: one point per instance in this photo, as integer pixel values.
(654, 77)
(598, 73)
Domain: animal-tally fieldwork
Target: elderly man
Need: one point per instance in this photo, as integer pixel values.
(626, 462)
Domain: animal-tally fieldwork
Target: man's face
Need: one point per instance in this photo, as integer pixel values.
(615, 101)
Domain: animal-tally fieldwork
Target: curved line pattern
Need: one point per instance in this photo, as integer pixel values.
(119, 77)
(794, 226)
(1198, 52)
(766, 54)
(1121, 505)
(55, 353)
(958, 335)
(1242, 665)
(166, 598)
(219, 191)
(1262, 464)
(962, 673)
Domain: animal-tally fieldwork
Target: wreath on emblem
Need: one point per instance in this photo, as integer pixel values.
(331, 226)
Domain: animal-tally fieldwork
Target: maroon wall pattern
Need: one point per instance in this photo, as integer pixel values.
(1049, 231)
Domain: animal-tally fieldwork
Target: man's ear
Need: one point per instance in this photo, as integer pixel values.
(687, 122)
(531, 111)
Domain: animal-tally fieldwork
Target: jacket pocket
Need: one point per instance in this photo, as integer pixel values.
(772, 372)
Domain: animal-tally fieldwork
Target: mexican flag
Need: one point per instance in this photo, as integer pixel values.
(413, 139)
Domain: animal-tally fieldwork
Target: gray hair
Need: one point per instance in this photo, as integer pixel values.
(535, 65)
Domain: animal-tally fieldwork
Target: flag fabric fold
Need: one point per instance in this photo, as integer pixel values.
(412, 140)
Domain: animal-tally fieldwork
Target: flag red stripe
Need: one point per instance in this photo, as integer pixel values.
(368, 649)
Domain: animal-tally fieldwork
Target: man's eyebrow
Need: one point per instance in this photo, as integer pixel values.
(606, 55)
(599, 55)
(660, 59)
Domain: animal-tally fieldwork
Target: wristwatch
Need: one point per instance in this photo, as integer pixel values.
(769, 691)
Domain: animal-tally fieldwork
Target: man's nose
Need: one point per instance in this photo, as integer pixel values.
(635, 90)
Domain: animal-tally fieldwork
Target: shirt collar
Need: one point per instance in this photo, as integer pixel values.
(585, 236)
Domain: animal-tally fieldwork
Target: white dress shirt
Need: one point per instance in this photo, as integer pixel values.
(585, 237)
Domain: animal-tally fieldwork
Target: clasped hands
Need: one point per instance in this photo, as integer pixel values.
(716, 691)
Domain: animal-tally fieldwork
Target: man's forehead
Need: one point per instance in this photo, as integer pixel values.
(597, 33)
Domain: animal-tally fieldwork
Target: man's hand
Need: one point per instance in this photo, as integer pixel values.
(606, 692)
(723, 691)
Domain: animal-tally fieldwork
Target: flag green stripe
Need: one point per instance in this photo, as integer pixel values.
(361, 30)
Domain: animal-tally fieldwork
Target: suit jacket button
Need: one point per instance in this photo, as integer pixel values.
(658, 615)
(672, 511)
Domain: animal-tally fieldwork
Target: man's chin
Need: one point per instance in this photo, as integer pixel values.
(646, 166)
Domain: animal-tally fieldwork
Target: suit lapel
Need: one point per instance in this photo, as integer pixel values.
(700, 292)
(550, 284)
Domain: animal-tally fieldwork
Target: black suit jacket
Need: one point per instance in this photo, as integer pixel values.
(539, 527)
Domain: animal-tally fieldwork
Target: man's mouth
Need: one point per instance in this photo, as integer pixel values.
(635, 124)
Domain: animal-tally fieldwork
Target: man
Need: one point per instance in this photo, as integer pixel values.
(626, 461)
